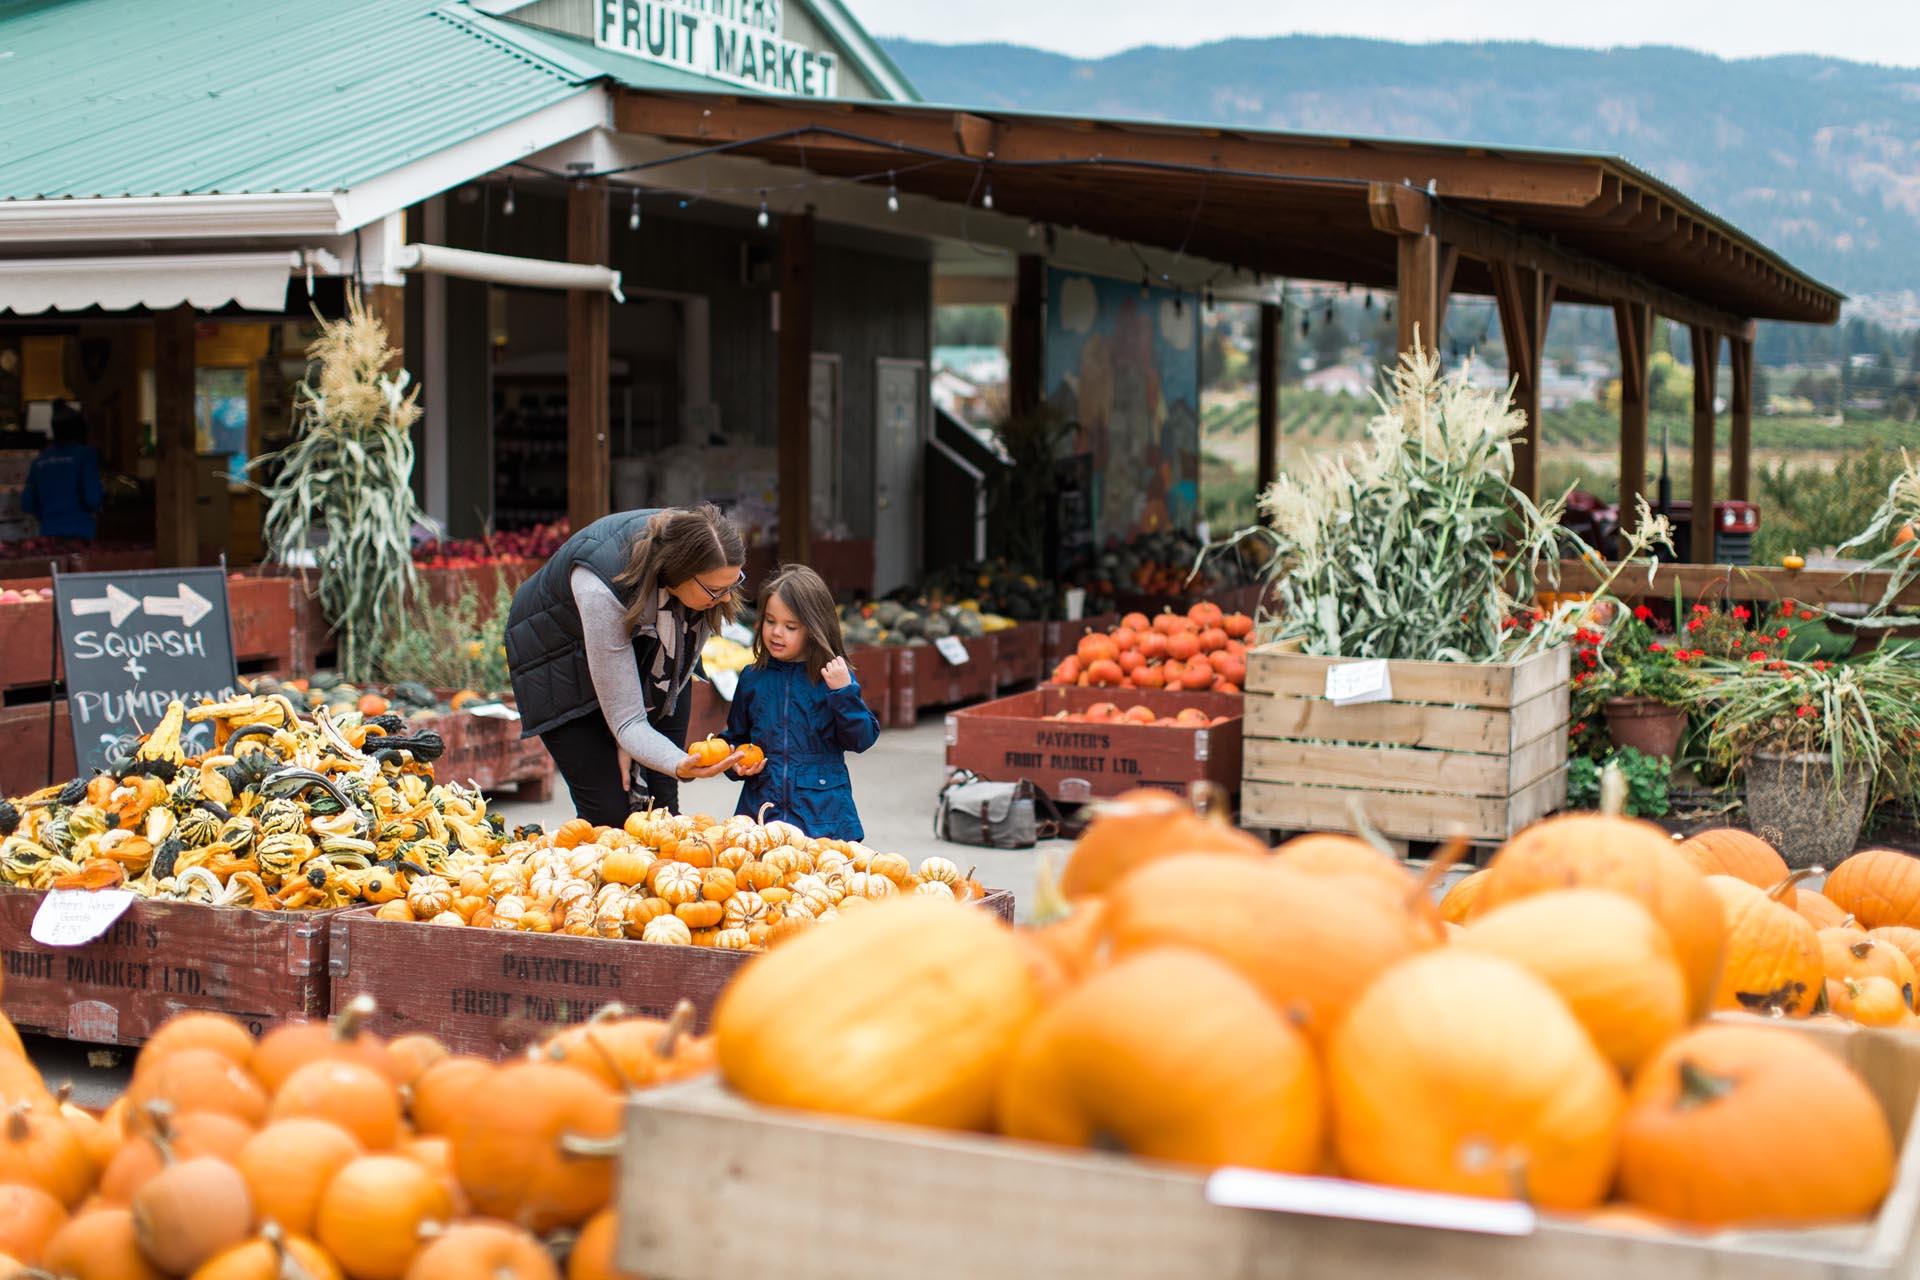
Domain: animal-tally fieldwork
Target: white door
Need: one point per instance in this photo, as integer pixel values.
(900, 437)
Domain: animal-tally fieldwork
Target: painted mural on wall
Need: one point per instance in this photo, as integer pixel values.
(1125, 364)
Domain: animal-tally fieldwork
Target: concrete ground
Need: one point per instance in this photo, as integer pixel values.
(896, 785)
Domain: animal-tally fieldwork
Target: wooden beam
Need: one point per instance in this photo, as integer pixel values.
(176, 532)
(1633, 328)
(1267, 469)
(1026, 334)
(1740, 420)
(589, 451)
(795, 413)
(388, 302)
(1525, 301)
(972, 134)
(1706, 365)
(1425, 271)
(1742, 582)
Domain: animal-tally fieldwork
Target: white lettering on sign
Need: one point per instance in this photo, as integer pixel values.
(953, 649)
(738, 41)
(74, 917)
(1351, 683)
(1363, 1202)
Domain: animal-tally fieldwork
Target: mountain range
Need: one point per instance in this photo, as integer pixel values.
(1817, 157)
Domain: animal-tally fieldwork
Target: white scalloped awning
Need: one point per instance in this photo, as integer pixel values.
(256, 281)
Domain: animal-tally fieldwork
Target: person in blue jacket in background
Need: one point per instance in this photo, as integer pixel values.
(800, 704)
(63, 484)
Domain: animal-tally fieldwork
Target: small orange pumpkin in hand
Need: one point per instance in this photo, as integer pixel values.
(751, 756)
(709, 752)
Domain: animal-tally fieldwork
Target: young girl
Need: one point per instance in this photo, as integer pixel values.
(800, 704)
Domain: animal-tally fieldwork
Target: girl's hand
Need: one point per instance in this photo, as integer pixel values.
(748, 770)
(689, 768)
(836, 674)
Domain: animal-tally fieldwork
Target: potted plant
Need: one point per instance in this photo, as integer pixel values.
(1816, 743)
(1641, 681)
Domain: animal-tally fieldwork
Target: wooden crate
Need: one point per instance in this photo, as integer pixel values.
(939, 683)
(1474, 748)
(1017, 658)
(159, 959)
(493, 992)
(920, 1198)
(1013, 738)
(490, 753)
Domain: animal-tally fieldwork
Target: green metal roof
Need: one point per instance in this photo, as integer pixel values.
(176, 97)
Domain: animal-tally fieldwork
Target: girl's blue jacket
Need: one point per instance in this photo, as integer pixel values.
(806, 729)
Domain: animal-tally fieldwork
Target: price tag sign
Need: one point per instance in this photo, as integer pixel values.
(1352, 683)
(738, 634)
(725, 682)
(1362, 1202)
(75, 917)
(953, 649)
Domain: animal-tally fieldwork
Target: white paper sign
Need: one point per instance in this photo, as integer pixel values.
(725, 682)
(953, 649)
(74, 917)
(1355, 682)
(493, 711)
(1363, 1202)
(1076, 603)
(738, 634)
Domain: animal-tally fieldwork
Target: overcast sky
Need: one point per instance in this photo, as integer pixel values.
(1863, 30)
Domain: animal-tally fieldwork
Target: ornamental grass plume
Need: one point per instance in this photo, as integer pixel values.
(346, 483)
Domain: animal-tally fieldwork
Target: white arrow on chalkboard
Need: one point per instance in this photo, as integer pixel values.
(189, 607)
(116, 604)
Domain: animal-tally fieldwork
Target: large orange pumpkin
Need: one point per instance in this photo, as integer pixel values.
(483, 1251)
(292, 1045)
(511, 1151)
(1819, 910)
(40, 1149)
(1311, 944)
(189, 1080)
(198, 1029)
(372, 1214)
(1772, 957)
(1731, 1125)
(1729, 851)
(350, 1094)
(1173, 1056)
(97, 1244)
(289, 1163)
(29, 1217)
(1329, 853)
(203, 1133)
(1637, 858)
(1461, 1072)
(1138, 827)
(907, 1012)
(1605, 955)
(1904, 937)
(445, 1091)
(1877, 887)
(1847, 954)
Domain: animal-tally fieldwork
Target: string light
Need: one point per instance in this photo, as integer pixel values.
(986, 201)
(1306, 325)
(1328, 317)
(507, 208)
(1146, 288)
(633, 212)
(1369, 299)
(893, 194)
(1179, 306)
(1207, 301)
(764, 217)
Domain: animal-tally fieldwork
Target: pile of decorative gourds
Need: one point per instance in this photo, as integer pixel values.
(683, 880)
(1200, 998)
(1850, 950)
(286, 812)
(320, 1151)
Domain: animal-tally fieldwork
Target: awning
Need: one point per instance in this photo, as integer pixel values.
(160, 282)
(496, 268)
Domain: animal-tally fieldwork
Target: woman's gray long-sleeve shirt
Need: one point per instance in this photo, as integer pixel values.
(616, 673)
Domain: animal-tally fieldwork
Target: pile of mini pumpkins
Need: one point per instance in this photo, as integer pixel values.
(1197, 997)
(684, 880)
(1199, 650)
(321, 1151)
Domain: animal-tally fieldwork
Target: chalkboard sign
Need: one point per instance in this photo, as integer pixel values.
(133, 641)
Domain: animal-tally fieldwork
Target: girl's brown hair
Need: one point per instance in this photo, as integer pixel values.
(811, 600)
(679, 544)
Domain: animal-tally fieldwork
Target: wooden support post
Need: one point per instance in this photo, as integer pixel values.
(1026, 330)
(1740, 419)
(1525, 300)
(1633, 329)
(1706, 366)
(1268, 469)
(1425, 281)
(388, 302)
(589, 450)
(794, 415)
(176, 533)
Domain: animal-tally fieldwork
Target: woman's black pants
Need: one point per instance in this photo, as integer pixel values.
(587, 756)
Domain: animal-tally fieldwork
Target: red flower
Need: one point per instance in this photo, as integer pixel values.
(1642, 612)
(1700, 608)
(1695, 625)
(1806, 615)
(1803, 710)
(1756, 656)
(1781, 634)
(1579, 677)
(1821, 664)
(1580, 727)
(1656, 647)
(1740, 613)
(1786, 608)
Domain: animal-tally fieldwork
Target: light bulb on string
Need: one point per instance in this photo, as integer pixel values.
(633, 212)
(507, 208)
(1389, 311)
(1206, 301)
(1328, 317)
(764, 217)
(1369, 300)
(1146, 287)
(893, 194)
(986, 201)
(1179, 306)
(1306, 325)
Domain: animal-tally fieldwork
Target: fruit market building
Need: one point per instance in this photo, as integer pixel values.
(639, 253)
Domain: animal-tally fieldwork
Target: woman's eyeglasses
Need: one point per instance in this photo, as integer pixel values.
(717, 596)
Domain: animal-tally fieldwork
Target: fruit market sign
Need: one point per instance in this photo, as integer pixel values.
(132, 642)
(738, 41)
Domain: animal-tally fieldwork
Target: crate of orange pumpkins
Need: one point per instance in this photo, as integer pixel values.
(1212, 1058)
(1201, 650)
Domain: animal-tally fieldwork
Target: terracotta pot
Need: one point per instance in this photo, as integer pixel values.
(1795, 804)
(1649, 727)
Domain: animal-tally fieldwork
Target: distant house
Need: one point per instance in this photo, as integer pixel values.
(1338, 380)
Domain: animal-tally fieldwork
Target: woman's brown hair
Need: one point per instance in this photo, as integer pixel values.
(811, 600)
(679, 544)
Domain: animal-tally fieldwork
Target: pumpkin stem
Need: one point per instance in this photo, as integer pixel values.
(353, 1018)
(679, 1022)
(608, 1012)
(578, 1144)
(1698, 1086)
(1848, 922)
(1792, 880)
(762, 819)
(63, 1094)
(1444, 858)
